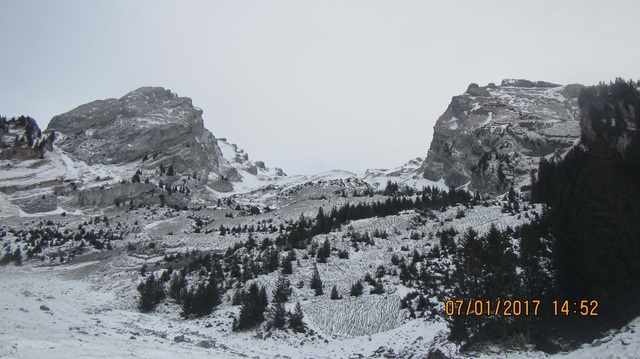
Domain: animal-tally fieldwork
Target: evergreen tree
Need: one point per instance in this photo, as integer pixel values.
(316, 282)
(17, 257)
(200, 301)
(356, 289)
(334, 293)
(593, 196)
(295, 319)
(277, 316)
(287, 268)
(238, 296)
(485, 268)
(151, 293)
(254, 304)
(282, 290)
(468, 277)
(378, 288)
(136, 177)
(324, 252)
(177, 287)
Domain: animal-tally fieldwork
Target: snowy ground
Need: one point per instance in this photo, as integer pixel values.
(87, 307)
(50, 315)
(47, 314)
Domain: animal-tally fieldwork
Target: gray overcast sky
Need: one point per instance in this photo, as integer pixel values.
(307, 86)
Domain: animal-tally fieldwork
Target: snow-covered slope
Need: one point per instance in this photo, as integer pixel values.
(87, 306)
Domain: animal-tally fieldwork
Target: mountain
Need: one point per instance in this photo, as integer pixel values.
(491, 137)
(150, 125)
(148, 147)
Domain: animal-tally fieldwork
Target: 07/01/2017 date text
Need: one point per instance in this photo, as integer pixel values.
(516, 307)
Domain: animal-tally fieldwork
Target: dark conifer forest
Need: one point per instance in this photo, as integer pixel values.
(593, 199)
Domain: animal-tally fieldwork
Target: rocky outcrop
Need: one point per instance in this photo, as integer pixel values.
(22, 139)
(490, 137)
(239, 159)
(149, 147)
(137, 194)
(150, 125)
(38, 203)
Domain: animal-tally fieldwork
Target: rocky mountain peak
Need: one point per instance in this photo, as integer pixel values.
(151, 125)
(490, 137)
(148, 147)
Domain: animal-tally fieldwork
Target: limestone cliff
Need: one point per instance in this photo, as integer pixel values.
(148, 147)
(150, 125)
(490, 137)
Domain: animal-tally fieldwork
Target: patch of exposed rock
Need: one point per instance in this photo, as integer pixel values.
(22, 139)
(490, 137)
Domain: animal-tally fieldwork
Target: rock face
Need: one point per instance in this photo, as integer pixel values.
(22, 139)
(490, 137)
(149, 147)
(150, 125)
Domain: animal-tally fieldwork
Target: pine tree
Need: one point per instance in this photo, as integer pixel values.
(316, 282)
(485, 268)
(468, 278)
(282, 290)
(378, 288)
(17, 257)
(356, 289)
(254, 304)
(324, 252)
(287, 268)
(136, 177)
(334, 293)
(295, 319)
(177, 287)
(277, 316)
(151, 293)
(201, 300)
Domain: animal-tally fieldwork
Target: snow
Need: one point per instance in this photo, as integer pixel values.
(476, 106)
(489, 119)
(332, 175)
(92, 306)
(555, 93)
(7, 209)
(80, 319)
(79, 322)
(59, 210)
(72, 172)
